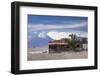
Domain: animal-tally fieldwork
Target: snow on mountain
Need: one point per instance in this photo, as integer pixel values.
(42, 38)
(59, 35)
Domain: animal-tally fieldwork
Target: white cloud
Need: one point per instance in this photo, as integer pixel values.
(84, 34)
(37, 27)
(59, 35)
(42, 34)
(35, 32)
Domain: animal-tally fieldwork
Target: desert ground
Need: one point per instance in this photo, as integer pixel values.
(41, 53)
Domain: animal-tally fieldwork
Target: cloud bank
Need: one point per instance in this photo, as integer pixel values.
(40, 27)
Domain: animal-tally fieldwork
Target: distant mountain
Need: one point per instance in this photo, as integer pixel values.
(38, 41)
(42, 38)
(83, 39)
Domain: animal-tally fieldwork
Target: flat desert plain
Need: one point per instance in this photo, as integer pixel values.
(41, 53)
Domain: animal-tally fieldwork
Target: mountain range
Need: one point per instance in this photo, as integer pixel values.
(42, 38)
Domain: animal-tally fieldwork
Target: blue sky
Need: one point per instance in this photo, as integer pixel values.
(40, 25)
(36, 21)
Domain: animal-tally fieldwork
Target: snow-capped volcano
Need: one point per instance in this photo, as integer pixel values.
(42, 38)
(38, 40)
